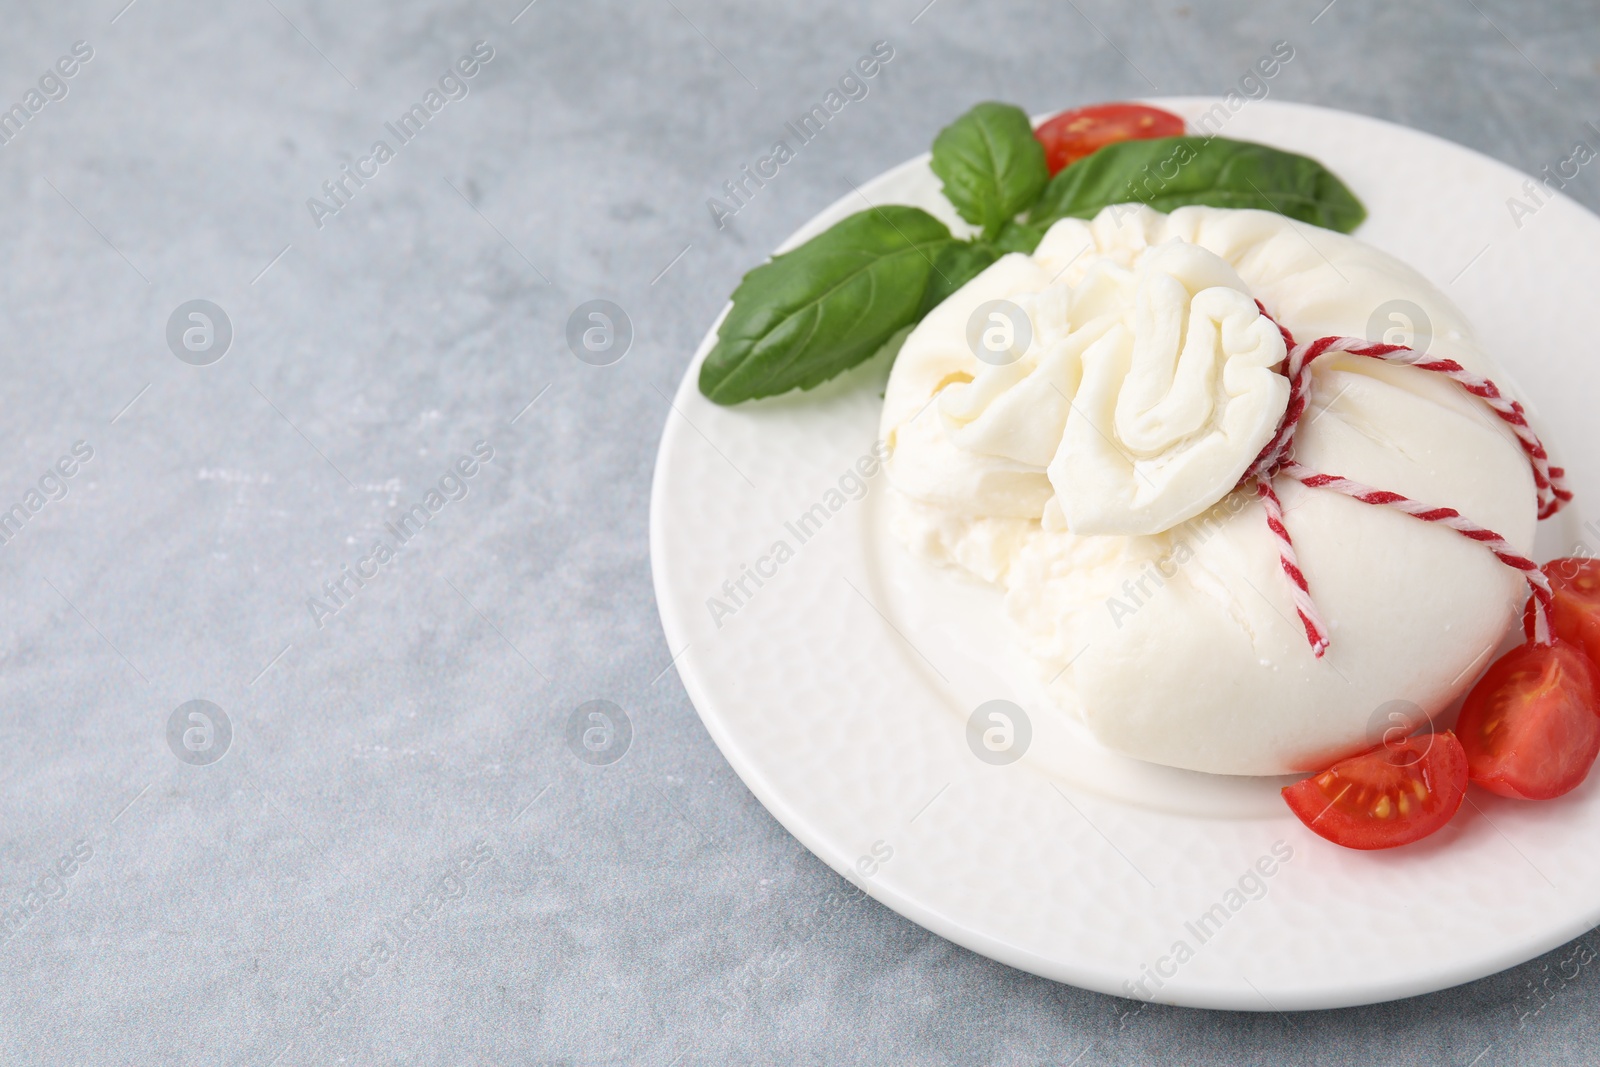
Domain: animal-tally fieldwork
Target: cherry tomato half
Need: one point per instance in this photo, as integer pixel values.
(1393, 795)
(1576, 584)
(1072, 135)
(1531, 726)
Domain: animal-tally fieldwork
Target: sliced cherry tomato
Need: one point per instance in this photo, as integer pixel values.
(1072, 135)
(1397, 793)
(1576, 584)
(1531, 726)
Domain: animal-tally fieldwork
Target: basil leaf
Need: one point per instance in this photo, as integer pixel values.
(1019, 237)
(956, 264)
(1170, 172)
(805, 316)
(991, 165)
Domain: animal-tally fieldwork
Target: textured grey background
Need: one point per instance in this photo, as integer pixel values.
(646, 912)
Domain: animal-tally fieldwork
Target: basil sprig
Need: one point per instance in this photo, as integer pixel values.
(858, 288)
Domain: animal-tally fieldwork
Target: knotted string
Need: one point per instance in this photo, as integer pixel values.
(1277, 459)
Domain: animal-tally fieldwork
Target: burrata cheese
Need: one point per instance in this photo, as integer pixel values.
(1093, 478)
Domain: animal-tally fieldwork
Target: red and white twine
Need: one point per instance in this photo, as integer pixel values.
(1277, 458)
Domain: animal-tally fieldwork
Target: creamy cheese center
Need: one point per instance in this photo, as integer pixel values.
(1144, 396)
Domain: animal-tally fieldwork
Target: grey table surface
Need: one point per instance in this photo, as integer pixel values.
(398, 858)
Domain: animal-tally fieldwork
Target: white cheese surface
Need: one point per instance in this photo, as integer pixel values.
(1092, 479)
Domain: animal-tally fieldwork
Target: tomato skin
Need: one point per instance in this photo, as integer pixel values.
(1071, 135)
(1391, 795)
(1531, 726)
(1575, 581)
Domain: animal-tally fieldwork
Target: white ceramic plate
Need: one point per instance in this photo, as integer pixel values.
(840, 685)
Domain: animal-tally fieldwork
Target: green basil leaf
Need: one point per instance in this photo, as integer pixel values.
(956, 264)
(811, 313)
(1170, 172)
(1019, 237)
(991, 165)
